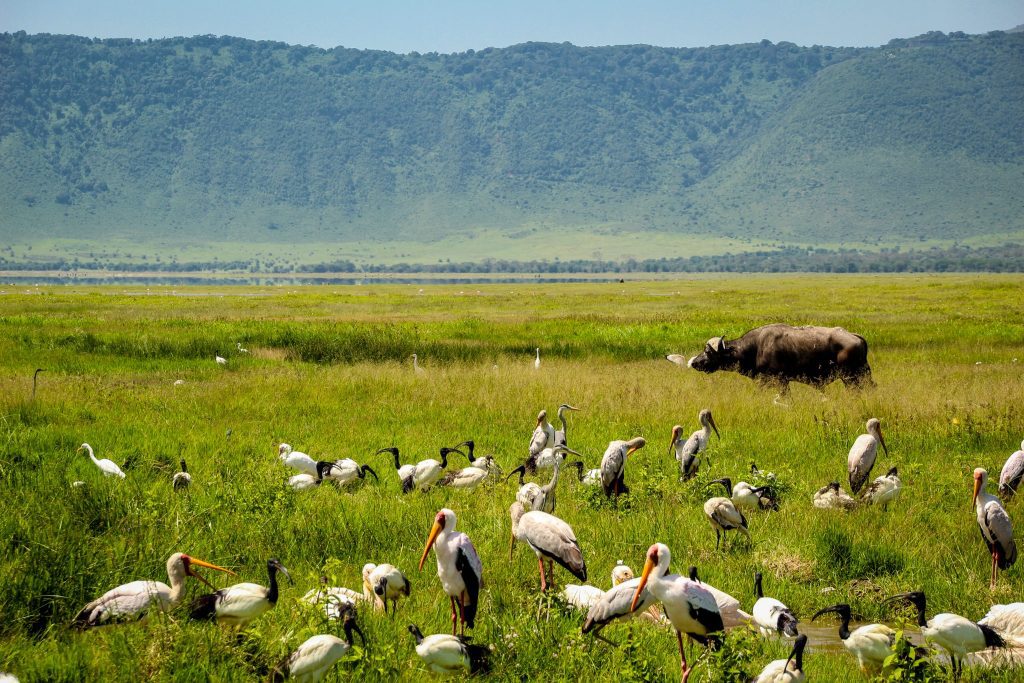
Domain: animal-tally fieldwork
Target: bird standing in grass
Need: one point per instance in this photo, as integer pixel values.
(458, 567)
(448, 654)
(107, 467)
(318, 654)
(221, 360)
(688, 452)
(240, 604)
(182, 480)
(132, 601)
(613, 465)
(688, 605)
(1012, 474)
(346, 470)
(728, 606)
(550, 538)
(862, 455)
(743, 495)
(536, 361)
(789, 670)
(771, 615)
(995, 525)
(723, 516)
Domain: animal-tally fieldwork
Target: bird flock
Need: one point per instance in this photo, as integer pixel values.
(694, 610)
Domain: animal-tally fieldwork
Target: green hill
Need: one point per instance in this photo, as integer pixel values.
(208, 141)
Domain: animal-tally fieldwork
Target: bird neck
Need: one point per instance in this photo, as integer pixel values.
(554, 477)
(444, 459)
(272, 589)
(398, 463)
(757, 587)
(844, 627)
(177, 587)
(798, 659)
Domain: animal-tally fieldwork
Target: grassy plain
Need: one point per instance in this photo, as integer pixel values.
(329, 373)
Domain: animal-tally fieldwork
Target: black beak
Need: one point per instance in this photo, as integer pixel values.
(522, 472)
(366, 468)
(350, 626)
(841, 610)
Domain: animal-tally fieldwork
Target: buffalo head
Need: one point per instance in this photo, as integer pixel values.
(716, 356)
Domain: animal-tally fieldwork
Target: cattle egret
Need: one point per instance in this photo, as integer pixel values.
(458, 567)
(346, 470)
(536, 361)
(562, 435)
(862, 455)
(613, 465)
(883, 490)
(723, 516)
(995, 525)
(728, 606)
(583, 597)
(1012, 474)
(423, 474)
(447, 654)
(301, 482)
(238, 345)
(688, 605)
(107, 467)
(220, 360)
(296, 459)
(953, 633)
(789, 670)
(132, 601)
(832, 496)
(239, 604)
(549, 537)
(614, 605)
(771, 615)
(178, 382)
(315, 656)
(870, 643)
(388, 583)
(182, 479)
(688, 452)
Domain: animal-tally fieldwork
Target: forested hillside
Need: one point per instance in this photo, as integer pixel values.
(217, 138)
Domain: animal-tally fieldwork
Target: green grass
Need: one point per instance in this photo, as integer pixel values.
(330, 374)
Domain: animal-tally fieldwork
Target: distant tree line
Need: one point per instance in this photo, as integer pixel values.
(1008, 258)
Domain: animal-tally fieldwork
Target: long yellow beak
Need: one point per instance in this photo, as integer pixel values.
(977, 490)
(434, 531)
(194, 562)
(648, 568)
(630, 451)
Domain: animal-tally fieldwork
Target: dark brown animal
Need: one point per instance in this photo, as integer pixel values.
(779, 354)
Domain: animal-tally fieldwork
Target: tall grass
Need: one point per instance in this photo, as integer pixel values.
(339, 384)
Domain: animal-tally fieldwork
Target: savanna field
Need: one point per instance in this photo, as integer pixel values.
(329, 371)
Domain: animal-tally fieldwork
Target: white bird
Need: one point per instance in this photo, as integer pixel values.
(543, 498)
(178, 382)
(132, 601)
(388, 583)
(544, 460)
(543, 435)
(590, 477)
(550, 538)
(614, 605)
(337, 599)
(536, 361)
(584, 596)
(771, 615)
(346, 470)
(743, 495)
(1007, 621)
(681, 361)
(883, 490)
(789, 670)
(995, 525)
(862, 455)
(239, 604)
(416, 365)
(220, 360)
(723, 516)
(833, 497)
(107, 467)
(238, 345)
(688, 452)
(955, 634)
(423, 474)
(688, 605)
(870, 643)
(181, 480)
(474, 475)
(613, 465)
(445, 654)
(728, 606)
(1012, 474)
(317, 655)
(562, 435)
(6, 677)
(458, 567)
(297, 459)
(301, 482)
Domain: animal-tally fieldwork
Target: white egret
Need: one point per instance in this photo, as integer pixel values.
(1012, 474)
(550, 538)
(688, 605)
(789, 670)
(132, 601)
(416, 365)
(458, 567)
(296, 459)
(447, 654)
(107, 467)
(995, 525)
(862, 455)
(238, 345)
(221, 360)
(239, 604)
(771, 615)
(613, 465)
(536, 361)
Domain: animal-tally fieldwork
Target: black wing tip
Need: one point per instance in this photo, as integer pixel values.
(992, 637)
(479, 658)
(204, 607)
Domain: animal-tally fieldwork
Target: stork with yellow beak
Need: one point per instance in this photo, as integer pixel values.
(995, 525)
(458, 566)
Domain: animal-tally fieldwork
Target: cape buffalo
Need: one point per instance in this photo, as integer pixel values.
(780, 354)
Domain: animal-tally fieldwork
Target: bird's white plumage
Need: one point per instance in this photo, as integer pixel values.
(220, 360)
(536, 361)
(993, 520)
(107, 467)
(728, 606)
(684, 600)
(681, 361)
(1012, 474)
(315, 657)
(543, 435)
(584, 596)
(548, 535)
(296, 459)
(391, 579)
(862, 455)
(1007, 620)
(833, 497)
(443, 654)
(133, 600)
(955, 634)
(871, 644)
(766, 613)
(780, 671)
(744, 497)
(446, 549)
(883, 490)
(344, 471)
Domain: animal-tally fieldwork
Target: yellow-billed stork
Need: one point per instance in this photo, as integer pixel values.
(613, 465)
(862, 455)
(1012, 474)
(458, 567)
(132, 601)
(688, 605)
(995, 525)
(723, 516)
(614, 604)
(550, 538)
(728, 606)
(688, 452)
(239, 604)
(543, 434)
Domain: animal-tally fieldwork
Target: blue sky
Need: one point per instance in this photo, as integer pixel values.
(458, 25)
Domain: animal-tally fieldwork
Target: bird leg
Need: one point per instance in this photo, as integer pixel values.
(551, 571)
(455, 616)
(995, 560)
(718, 538)
(683, 668)
(543, 580)
(462, 614)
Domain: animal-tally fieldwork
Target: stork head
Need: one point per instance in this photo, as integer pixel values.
(708, 420)
(635, 444)
(875, 430)
(980, 480)
(444, 521)
(658, 556)
(677, 432)
(542, 417)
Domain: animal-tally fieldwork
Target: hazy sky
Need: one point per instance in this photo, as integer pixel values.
(458, 25)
